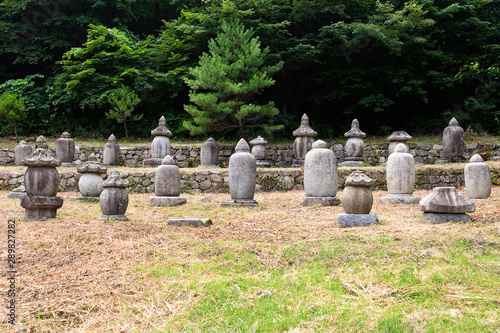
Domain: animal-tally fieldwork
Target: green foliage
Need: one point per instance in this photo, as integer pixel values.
(12, 109)
(226, 82)
(123, 103)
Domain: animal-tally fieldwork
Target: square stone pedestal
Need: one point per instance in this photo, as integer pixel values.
(357, 220)
(113, 218)
(323, 201)
(41, 208)
(166, 201)
(240, 203)
(401, 199)
(190, 222)
(443, 218)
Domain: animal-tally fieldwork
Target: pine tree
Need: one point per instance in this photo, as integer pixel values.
(226, 82)
(123, 104)
(12, 109)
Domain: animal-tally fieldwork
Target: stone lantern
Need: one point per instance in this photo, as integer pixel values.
(90, 183)
(21, 151)
(260, 152)
(114, 198)
(160, 146)
(209, 154)
(445, 204)
(304, 138)
(453, 142)
(111, 152)
(477, 178)
(41, 182)
(355, 146)
(242, 176)
(167, 184)
(321, 179)
(357, 201)
(396, 138)
(65, 149)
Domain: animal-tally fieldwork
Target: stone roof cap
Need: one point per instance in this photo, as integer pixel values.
(115, 180)
(304, 128)
(359, 178)
(399, 136)
(41, 156)
(162, 129)
(447, 200)
(258, 141)
(112, 137)
(476, 158)
(91, 166)
(355, 132)
(65, 135)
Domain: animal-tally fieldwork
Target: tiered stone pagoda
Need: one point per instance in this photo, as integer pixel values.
(445, 204)
(355, 146)
(90, 183)
(167, 184)
(304, 138)
(114, 198)
(396, 138)
(260, 152)
(160, 146)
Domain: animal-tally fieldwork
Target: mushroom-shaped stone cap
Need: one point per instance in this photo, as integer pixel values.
(91, 166)
(167, 160)
(112, 138)
(210, 140)
(355, 132)
(115, 180)
(162, 129)
(319, 144)
(304, 128)
(242, 146)
(258, 141)
(359, 178)
(66, 135)
(399, 136)
(476, 158)
(401, 148)
(22, 143)
(41, 155)
(447, 200)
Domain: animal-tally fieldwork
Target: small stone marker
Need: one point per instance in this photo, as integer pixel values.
(242, 177)
(445, 204)
(396, 138)
(111, 152)
(357, 201)
(355, 146)
(17, 193)
(90, 183)
(321, 179)
(114, 198)
(167, 184)
(160, 146)
(21, 151)
(477, 178)
(190, 222)
(304, 138)
(453, 143)
(65, 150)
(260, 152)
(400, 177)
(41, 181)
(209, 154)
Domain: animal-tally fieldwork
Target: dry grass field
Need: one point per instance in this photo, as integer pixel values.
(279, 267)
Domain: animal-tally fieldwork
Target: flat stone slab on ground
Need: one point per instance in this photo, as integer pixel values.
(240, 203)
(443, 218)
(357, 220)
(85, 199)
(323, 201)
(401, 199)
(113, 218)
(190, 222)
(16, 195)
(166, 201)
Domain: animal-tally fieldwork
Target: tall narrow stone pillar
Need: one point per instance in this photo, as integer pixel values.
(21, 151)
(111, 152)
(65, 150)
(209, 154)
(453, 143)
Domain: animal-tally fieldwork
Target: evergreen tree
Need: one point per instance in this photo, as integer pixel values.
(11, 109)
(227, 80)
(123, 104)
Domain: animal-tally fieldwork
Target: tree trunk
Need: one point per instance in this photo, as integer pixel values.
(125, 125)
(240, 127)
(15, 129)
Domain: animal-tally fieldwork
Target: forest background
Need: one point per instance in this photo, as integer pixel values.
(393, 65)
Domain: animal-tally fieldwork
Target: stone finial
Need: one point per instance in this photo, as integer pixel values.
(112, 138)
(66, 135)
(355, 132)
(162, 129)
(41, 155)
(168, 160)
(242, 146)
(115, 180)
(476, 158)
(304, 128)
(359, 178)
(92, 166)
(319, 144)
(41, 143)
(258, 141)
(453, 122)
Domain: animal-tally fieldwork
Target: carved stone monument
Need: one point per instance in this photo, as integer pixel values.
(111, 152)
(167, 184)
(453, 143)
(209, 154)
(90, 183)
(21, 151)
(355, 146)
(304, 138)
(396, 138)
(65, 150)
(321, 179)
(477, 178)
(242, 176)
(400, 177)
(160, 146)
(445, 204)
(357, 201)
(41, 181)
(114, 198)
(260, 152)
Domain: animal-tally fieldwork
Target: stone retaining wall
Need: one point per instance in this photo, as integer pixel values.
(205, 181)
(278, 155)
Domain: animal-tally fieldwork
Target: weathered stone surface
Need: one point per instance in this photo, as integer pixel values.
(357, 197)
(304, 138)
(166, 201)
(85, 199)
(443, 218)
(357, 220)
(446, 200)
(91, 185)
(396, 138)
(168, 179)
(322, 201)
(65, 149)
(453, 142)
(260, 152)
(209, 154)
(240, 203)
(190, 222)
(111, 152)
(22, 151)
(114, 197)
(354, 146)
(242, 173)
(41, 208)
(402, 199)
(477, 178)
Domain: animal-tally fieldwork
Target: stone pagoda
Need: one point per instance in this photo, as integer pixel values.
(160, 146)
(304, 138)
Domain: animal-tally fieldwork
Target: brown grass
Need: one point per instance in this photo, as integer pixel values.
(78, 274)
